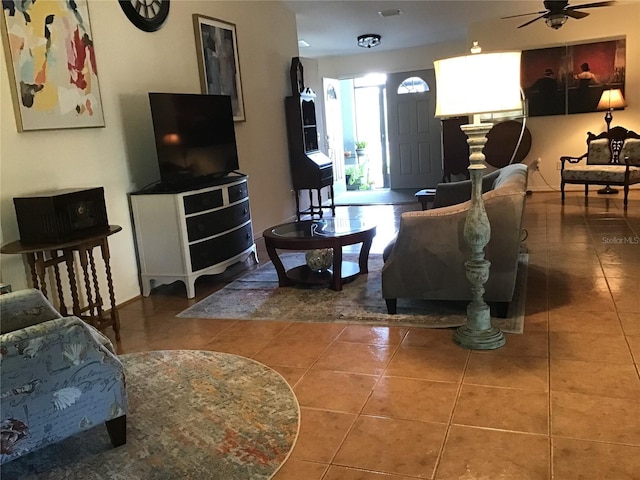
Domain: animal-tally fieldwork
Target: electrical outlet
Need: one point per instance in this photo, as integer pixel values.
(559, 165)
(537, 164)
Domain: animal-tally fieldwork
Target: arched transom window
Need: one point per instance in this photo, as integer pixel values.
(413, 85)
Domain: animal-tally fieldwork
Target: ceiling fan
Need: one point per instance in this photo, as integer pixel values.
(558, 11)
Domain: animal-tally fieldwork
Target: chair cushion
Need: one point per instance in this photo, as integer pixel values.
(599, 152)
(631, 149)
(602, 173)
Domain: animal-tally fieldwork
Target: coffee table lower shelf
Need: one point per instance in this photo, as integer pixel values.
(303, 275)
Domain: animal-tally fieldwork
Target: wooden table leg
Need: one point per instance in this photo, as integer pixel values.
(96, 285)
(68, 257)
(283, 280)
(84, 264)
(333, 201)
(363, 259)
(104, 249)
(31, 260)
(56, 273)
(41, 272)
(336, 281)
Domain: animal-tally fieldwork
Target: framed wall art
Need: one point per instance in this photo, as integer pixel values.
(52, 66)
(217, 48)
(571, 78)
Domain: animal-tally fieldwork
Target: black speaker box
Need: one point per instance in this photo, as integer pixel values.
(62, 215)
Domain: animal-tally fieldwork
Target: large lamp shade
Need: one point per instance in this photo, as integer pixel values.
(478, 83)
(611, 99)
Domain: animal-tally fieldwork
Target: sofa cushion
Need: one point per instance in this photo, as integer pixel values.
(600, 173)
(452, 193)
(599, 152)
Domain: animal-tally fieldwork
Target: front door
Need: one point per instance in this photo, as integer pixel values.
(333, 125)
(415, 159)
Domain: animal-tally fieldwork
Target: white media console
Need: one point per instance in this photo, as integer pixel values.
(182, 236)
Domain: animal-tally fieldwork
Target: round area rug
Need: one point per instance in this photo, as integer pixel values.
(192, 414)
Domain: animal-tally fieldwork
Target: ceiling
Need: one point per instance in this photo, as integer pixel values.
(332, 27)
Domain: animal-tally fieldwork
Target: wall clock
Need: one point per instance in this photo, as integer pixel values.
(147, 15)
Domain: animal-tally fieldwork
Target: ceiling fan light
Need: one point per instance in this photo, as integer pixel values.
(369, 40)
(556, 20)
(392, 12)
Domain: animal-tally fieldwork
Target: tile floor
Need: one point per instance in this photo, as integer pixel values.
(559, 402)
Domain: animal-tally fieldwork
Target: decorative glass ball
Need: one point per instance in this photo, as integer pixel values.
(319, 259)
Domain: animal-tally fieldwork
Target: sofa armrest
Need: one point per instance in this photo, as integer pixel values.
(24, 308)
(57, 379)
(61, 332)
(442, 226)
(569, 159)
(452, 193)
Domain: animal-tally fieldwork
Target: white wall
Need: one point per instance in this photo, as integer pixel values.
(121, 157)
(552, 136)
(405, 60)
(557, 135)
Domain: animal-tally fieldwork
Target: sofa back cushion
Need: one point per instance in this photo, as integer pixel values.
(630, 149)
(599, 152)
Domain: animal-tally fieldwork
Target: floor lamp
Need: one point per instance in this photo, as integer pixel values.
(610, 100)
(473, 85)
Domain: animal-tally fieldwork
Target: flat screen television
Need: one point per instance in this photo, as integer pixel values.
(195, 138)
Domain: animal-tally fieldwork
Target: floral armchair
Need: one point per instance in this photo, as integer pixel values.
(60, 376)
(612, 158)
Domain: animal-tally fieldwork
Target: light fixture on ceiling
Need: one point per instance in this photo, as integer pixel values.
(392, 12)
(472, 85)
(303, 44)
(556, 20)
(369, 40)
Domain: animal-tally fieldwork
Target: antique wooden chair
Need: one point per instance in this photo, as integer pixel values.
(612, 158)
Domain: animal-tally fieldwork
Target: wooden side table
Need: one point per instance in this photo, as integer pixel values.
(45, 255)
(426, 196)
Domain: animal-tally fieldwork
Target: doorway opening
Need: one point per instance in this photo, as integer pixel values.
(364, 132)
(392, 116)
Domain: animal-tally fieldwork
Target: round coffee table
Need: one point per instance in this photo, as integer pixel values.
(315, 234)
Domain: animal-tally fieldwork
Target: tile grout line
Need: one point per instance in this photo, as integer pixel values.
(451, 414)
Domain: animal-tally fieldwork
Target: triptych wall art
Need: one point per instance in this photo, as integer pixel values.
(570, 79)
(52, 64)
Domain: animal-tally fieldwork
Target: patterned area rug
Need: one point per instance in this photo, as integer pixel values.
(256, 296)
(192, 414)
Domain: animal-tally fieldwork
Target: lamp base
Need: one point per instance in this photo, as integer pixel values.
(489, 339)
(607, 190)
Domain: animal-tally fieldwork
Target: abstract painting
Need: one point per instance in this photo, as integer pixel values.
(51, 60)
(218, 63)
(571, 78)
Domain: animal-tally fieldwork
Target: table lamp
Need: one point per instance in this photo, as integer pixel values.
(477, 84)
(610, 100)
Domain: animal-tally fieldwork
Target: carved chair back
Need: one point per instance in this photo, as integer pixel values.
(607, 147)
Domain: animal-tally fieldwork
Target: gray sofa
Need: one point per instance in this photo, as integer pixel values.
(426, 259)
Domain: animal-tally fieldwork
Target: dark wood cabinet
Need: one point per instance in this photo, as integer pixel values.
(310, 168)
